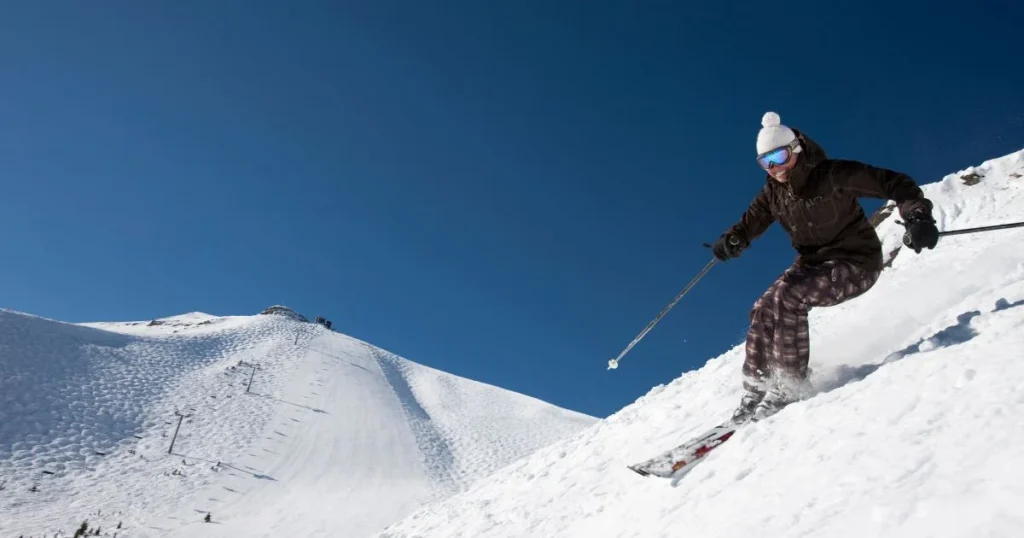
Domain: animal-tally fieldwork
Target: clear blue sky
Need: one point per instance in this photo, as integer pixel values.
(508, 191)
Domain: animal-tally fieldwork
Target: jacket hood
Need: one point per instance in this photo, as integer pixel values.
(810, 156)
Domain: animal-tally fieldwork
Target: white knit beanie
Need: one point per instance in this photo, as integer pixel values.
(773, 134)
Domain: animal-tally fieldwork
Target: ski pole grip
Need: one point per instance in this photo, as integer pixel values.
(733, 240)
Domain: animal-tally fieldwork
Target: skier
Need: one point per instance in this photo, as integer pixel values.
(814, 198)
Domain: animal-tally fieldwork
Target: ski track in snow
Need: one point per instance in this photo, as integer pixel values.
(335, 435)
(916, 430)
(436, 452)
(470, 426)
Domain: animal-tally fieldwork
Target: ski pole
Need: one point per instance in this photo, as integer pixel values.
(907, 239)
(614, 363)
(982, 229)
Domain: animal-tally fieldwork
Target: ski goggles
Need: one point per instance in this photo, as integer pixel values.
(778, 156)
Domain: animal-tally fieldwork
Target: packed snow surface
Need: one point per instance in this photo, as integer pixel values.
(917, 429)
(335, 437)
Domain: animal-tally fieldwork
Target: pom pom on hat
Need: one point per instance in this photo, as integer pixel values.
(771, 119)
(773, 134)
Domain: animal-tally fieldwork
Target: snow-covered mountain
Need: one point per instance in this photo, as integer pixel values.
(917, 429)
(335, 437)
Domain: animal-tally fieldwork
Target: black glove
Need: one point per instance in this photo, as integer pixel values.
(727, 247)
(921, 232)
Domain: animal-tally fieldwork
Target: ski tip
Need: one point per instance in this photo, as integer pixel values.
(638, 471)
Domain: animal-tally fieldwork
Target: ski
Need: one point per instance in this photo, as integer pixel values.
(683, 457)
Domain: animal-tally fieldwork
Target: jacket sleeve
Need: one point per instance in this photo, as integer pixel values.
(862, 179)
(755, 221)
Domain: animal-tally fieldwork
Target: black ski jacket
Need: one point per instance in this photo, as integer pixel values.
(819, 210)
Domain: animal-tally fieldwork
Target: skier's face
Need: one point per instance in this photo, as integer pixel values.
(779, 161)
(781, 172)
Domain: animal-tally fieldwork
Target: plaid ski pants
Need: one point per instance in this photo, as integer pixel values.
(778, 342)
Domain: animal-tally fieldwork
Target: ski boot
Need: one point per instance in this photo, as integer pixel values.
(753, 393)
(784, 391)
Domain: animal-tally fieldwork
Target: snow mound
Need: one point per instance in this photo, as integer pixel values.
(330, 433)
(280, 310)
(915, 429)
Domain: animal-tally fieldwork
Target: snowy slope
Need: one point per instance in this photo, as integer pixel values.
(918, 428)
(335, 436)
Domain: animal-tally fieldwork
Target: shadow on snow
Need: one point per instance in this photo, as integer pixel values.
(953, 335)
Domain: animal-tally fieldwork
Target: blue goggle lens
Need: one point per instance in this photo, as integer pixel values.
(777, 157)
